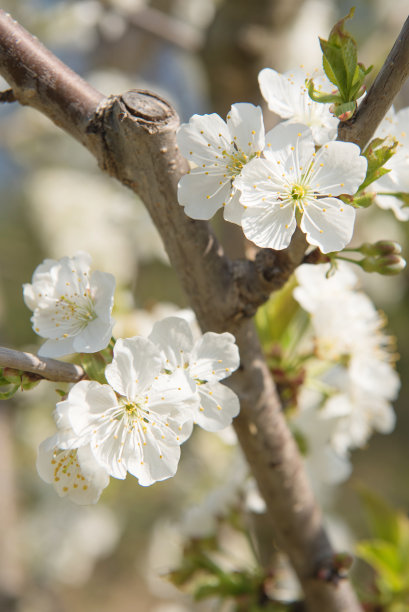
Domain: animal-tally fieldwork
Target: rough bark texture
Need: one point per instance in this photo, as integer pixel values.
(133, 138)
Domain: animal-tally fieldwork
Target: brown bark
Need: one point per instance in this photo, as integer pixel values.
(133, 138)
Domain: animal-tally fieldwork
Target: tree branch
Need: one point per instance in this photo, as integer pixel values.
(51, 369)
(380, 97)
(133, 138)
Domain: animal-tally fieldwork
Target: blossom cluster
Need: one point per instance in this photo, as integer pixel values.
(154, 390)
(351, 381)
(293, 175)
(269, 183)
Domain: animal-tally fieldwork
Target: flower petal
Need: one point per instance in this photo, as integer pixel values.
(292, 145)
(203, 138)
(174, 338)
(218, 406)
(270, 225)
(339, 168)
(135, 364)
(214, 357)
(233, 210)
(245, 122)
(328, 223)
(203, 194)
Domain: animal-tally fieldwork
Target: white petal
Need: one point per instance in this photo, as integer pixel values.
(194, 138)
(86, 402)
(391, 203)
(57, 348)
(278, 91)
(339, 168)
(159, 461)
(173, 396)
(103, 287)
(218, 406)
(291, 144)
(233, 210)
(94, 337)
(245, 122)
(270, 225)
(259, 180)
(174, 338)
(214, 357)
(328, 223)
(135, 364)
(203, 194)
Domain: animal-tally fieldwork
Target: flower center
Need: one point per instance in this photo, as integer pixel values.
(237, 160)
(298, 192)
(75, 311)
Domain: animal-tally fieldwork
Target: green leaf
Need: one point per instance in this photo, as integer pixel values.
(273, 318)
(382, 518)
(349, 55)
(361, 200)
(333, 64)
(377, 155)
(319, 96)
(4, 395)
(384, 558)
(94, 365)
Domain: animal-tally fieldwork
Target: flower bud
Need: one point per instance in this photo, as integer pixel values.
(380, 248)
(388, 265)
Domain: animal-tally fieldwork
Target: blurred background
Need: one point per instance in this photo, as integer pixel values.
(202, 55)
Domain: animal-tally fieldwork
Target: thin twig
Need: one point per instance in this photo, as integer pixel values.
(50, 369)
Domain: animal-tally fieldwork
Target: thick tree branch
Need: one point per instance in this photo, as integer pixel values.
(133, 138)
(51, 369)
(380, 97)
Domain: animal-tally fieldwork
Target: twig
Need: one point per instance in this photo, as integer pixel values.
(50, 369)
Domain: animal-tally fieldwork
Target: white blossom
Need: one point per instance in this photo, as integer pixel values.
(137, 422)
(219, 151)
(314, 286)
(74, 473)
(355, 363)
(209, 360)
(395, 125)
(71, 306)
(287, 96)
(295, 182)
(359, 413)
(324, 465)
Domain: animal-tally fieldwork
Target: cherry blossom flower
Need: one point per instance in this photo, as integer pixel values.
(138, 421)
(72, 306)
(74, 473)
(287, 96)
(395, 125)
(220, 150)
(211, 359)
(295, 183)
(356, 365)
